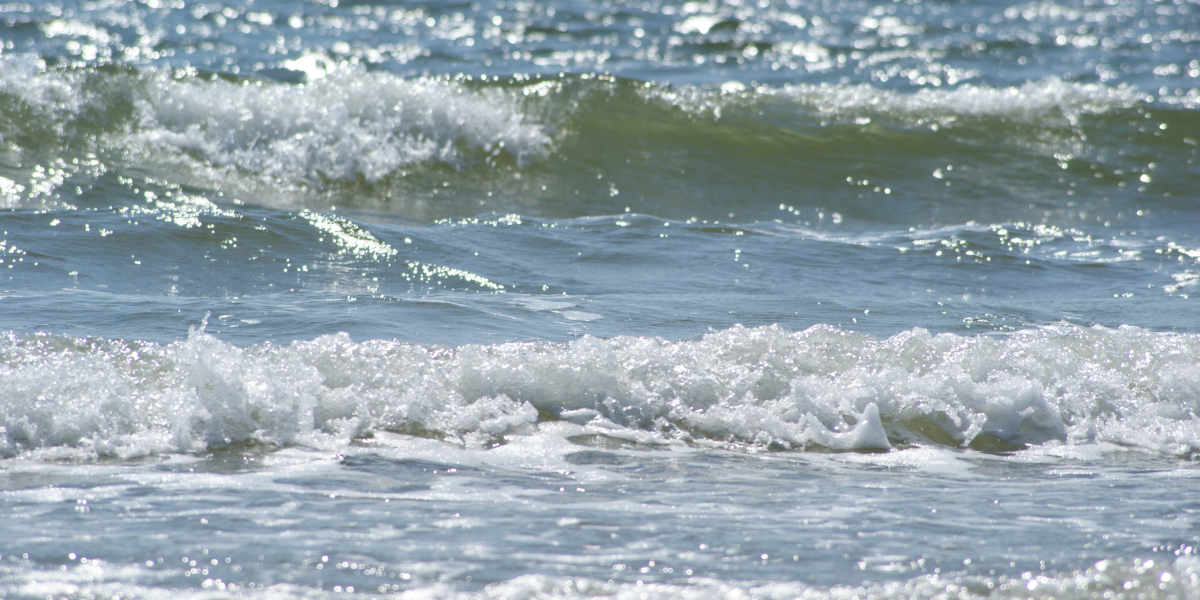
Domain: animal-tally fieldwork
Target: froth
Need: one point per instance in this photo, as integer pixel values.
(1105, 579)
(37, 115)
(1032, 102)
(755, 388)
(47, 101)
(348, 124)
(1050, 101)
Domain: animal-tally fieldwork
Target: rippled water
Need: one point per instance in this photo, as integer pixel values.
(575, 299)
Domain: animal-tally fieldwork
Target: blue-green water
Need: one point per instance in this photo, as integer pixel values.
(540, 300)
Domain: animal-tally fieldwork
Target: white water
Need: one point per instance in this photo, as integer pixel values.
(1048, 102)
(754, 388)
(1149, 579)
(347, 124)
(950, 210)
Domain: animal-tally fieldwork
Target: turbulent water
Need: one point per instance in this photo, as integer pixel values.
(503, 299)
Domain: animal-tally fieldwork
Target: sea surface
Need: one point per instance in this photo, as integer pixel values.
(628, 299)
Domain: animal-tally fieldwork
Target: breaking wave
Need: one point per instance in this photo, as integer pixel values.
(1049, 101)
(371, 138)
(347, 124)
(760, 388)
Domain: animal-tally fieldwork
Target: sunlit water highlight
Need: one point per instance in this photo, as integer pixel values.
(577, 299)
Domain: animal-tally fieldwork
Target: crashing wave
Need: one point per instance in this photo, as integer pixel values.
(743, 387)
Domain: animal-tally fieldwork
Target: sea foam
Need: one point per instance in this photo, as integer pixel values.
(1046, 102)
(1105, 579)
(347, 125)
(1042, 101)
(753, 388)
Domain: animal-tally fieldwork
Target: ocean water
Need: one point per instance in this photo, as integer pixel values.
(599, 298)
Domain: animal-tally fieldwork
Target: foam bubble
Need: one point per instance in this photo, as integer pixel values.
(38, 110)
(1032, 102)
(348, 125)
(1105, 579)
(345, 125)
(47, 100)
(1049, 101)
(757, 388)
(1151, 579)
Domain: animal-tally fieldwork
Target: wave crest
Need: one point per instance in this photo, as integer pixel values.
(756, 388)
(349, 124)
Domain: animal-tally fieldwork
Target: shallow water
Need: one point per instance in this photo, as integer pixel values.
(606, 518)
(663, 299)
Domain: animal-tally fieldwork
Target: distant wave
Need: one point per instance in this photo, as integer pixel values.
(376, 139)
(1047, 101)
(344, 125)
(346, 122)
(740, 388)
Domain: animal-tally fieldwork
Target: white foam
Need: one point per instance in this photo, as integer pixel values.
(540, 304)
(40, 105)
(758, 387)
(1049, 101)
(579, 315)
(1152, 579)
(52, 96)
(1032, 102)
(347, 124)
(1108, 578)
